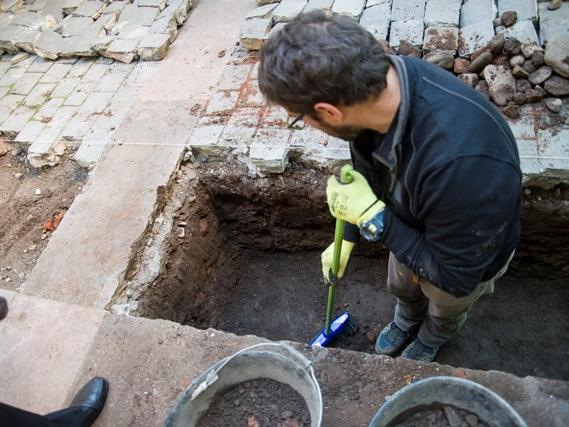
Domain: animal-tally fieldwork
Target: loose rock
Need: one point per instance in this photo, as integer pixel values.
(557, 86)
(407, 49)
(482, 89)
(554, 4)
(522, 85)
(520, 73)
(529, 67)
(480, 62)
(497, 22)
(553, 104)
(512, 46)
(501, 60)
(441, 58)
(501, 83)
(517, 60)
(557, 54)
(471, 79)
(496, 45)
(533, 95)
(461, 65)
(512, 110)
(519, 98)
(540, 75)
(509, 18)
(528, 49)
(537, 59)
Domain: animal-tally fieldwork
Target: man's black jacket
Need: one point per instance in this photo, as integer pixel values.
(449, 172)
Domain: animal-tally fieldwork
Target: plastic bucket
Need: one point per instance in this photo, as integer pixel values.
(277, 361)
(460, 393)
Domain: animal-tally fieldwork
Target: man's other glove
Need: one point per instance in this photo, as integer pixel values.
(328, 255)
(355, 202)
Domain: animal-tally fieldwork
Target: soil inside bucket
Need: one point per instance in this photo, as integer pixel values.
(438, 416)
(257, 403)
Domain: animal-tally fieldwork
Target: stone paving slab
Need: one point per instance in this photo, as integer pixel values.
(43, 344)
(101, 228)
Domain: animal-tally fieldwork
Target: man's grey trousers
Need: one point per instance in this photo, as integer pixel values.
(420, 304)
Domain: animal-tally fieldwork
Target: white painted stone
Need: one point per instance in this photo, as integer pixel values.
(371, 3)
(40, 65)
(262, 11)
(442, 13)
(353, 8)
(318, 4)
(553, 148)
(288, 9)
(122, 50)
(153, 47)
(25, 84)
(557, 54)
(39, 94)
(525, 9)
(255, 32)
(56, 73)
(408, 10)
(205, 136)
(475, 36)
(16, 121)
(269, 158)
(376, 20)
(63, 89)
(95, 103)
(30, 132)
(474, 11)
(411, 31)
(233, 77)
(553, 22)
(78, 127)
(138, 15)
(524, 31)
(48, 110)
(222, 102)
(92, 9)
(501, 83)
(76, 25)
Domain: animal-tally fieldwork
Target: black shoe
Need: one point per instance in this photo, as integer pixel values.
(85, 407)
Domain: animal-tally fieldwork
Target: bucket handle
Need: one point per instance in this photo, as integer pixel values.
(213, 377)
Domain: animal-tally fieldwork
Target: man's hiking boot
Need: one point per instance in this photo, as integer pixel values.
(391, 339)
(419, 351)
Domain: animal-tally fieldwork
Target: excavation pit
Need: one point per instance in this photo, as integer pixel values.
(243, 256)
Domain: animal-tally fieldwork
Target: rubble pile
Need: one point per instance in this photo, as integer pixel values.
(513, 52)
(123, 30)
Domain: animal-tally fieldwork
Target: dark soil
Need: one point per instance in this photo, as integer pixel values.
(257, 403)
(28, 199)
(519, 329)
(250, 264)
(446, 416)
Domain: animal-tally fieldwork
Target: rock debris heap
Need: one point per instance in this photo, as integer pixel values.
(511, 51)
(123, 30)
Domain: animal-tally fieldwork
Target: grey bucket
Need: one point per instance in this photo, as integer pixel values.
(460, 393)
(277, 361)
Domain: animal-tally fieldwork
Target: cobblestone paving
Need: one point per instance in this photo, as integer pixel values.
(120, 29)
(69, 104)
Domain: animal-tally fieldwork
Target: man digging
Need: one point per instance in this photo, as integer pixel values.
(436, 170)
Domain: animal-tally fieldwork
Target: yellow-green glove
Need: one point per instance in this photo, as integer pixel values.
(328, 255)
(354, 202)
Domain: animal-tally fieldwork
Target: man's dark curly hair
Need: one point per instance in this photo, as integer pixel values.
(321, 57)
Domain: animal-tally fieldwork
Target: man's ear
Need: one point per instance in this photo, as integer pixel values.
(329, 113)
